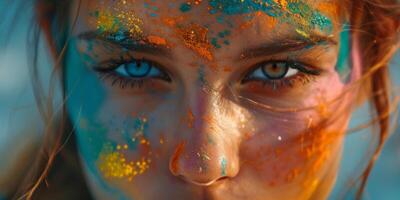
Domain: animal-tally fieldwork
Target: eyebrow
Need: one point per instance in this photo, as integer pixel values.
(128, 42)
(285, 45)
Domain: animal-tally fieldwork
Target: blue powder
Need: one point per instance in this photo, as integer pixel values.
(272, 9)
(223, 166)
(214, 42)
(185, 7)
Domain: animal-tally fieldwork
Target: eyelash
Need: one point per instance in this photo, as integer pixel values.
(304, 76)
(122, 82)
(107, 71)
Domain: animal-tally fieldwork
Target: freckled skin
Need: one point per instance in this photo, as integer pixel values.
(205, 134)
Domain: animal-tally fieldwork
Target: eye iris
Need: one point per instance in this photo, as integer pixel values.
(138, 69)
(275, 70)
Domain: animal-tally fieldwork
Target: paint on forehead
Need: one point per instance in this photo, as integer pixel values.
(293, 12)
(195, 37)
(273, 8)
(343, 65)
(118, 19)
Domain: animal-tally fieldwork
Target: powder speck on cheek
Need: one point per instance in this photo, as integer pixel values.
(223, 166)
(190, 118)
(113, 163)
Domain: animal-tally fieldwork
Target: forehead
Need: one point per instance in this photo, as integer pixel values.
(205, 26)
(303, 15)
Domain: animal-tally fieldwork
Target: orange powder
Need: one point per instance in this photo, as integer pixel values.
(190, 118)
(178, 152)
(194, 37)
(153, 39)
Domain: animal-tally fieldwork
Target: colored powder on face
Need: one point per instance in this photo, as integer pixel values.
(214, 42)
(234, 7)
(119, 21)
(175, 157)
(223, 166)
(135, 131)
(185, 7)
(194, 37)
(140, 126)
(343, 67)
(202, 77)
(156, 40)
(190, 118)
(309, 15)
(113, 164)
(294, 12)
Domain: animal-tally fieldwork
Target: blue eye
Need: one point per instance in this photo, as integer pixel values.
(140, 69)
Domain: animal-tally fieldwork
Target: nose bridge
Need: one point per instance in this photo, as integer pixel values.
(205, 156)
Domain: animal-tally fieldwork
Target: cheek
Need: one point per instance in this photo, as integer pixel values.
(294, 151)
(115, 139)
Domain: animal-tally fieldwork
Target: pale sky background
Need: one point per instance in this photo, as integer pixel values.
(20, 124)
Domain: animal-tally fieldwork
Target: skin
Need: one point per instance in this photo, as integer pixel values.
(206, 133)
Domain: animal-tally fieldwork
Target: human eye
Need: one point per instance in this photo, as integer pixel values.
(132, 72)
(279, 73)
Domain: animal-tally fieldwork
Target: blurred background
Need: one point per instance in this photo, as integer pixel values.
(21, 127)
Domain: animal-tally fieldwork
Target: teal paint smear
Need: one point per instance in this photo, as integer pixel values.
(316, 18)
(298, 14)
(236, 7)
(223, 166)
(343, 65)
(81, 85)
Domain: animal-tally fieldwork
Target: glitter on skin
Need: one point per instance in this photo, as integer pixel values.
(117, 20)
(194, 37)
(113, 164)
(296, 11)
(292, 12)
(139, 128)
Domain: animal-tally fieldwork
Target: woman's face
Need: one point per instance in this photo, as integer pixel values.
(208, 99)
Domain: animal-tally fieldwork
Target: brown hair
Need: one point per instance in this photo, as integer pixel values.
(373, 22)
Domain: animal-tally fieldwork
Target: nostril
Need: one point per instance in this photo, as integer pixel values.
(222, 178)
(201, 183)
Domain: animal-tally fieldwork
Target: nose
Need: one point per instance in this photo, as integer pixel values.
(210, 151)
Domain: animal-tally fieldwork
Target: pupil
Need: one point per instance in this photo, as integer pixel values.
(275, 70)
(138, 69)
